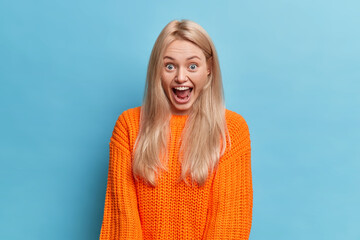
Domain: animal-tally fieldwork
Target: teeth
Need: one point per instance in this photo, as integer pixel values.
(181, 88)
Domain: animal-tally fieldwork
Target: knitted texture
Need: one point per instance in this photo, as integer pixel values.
(221, 209)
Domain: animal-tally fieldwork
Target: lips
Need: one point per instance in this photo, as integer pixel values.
(182, 94)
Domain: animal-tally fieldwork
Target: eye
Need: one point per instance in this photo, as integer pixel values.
(169, 66)
(193, 66)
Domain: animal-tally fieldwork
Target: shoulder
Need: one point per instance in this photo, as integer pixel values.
(235, 121)
(238, 129)
(130, 114)
(128, 117)
(127, 122)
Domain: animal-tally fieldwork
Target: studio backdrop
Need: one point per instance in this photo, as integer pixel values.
(68, 69)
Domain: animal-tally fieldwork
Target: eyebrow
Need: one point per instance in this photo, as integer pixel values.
(189, 58)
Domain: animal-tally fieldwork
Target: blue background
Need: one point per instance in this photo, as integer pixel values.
(69, 68)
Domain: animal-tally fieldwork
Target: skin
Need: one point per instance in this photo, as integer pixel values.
(184, 65)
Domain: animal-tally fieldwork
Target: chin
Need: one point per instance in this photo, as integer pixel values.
(181, 110)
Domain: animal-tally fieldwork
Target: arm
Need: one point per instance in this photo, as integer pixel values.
(121, 217)
(230, 213)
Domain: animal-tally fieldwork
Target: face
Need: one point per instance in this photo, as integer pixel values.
(183, 75)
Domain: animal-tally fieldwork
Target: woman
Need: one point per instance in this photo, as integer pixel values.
(180, 164)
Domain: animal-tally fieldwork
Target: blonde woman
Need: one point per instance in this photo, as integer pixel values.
(180, 164)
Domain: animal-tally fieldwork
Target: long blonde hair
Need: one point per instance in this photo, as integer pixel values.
(204, 135)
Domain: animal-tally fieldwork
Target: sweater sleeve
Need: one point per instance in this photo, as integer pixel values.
(121, 217)
(230, 212)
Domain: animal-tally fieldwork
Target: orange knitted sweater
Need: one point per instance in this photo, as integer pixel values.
(221, 209)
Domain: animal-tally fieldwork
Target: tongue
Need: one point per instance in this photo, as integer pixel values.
(182, 94)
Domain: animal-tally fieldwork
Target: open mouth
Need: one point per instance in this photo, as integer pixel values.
(182, 94)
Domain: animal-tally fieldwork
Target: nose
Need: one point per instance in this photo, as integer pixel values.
(181, 76)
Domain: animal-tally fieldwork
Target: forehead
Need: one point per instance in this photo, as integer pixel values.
(183, 49)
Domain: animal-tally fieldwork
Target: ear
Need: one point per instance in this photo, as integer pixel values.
(209, 65)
